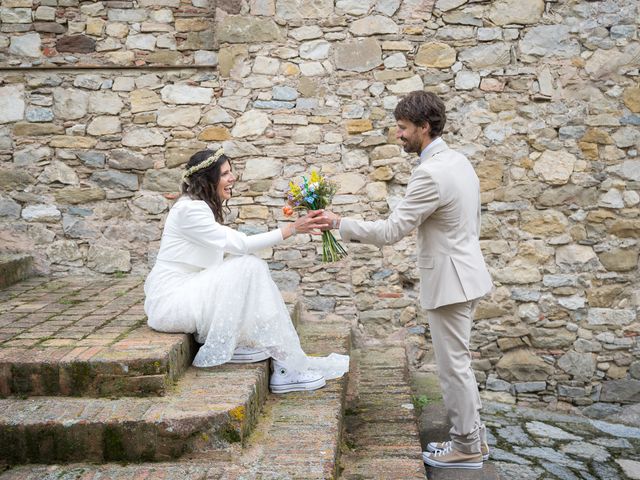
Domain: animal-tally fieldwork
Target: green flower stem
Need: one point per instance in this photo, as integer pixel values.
(332, 251)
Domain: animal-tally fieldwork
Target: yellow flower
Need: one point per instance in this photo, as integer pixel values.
(294, 189)
(315, 177)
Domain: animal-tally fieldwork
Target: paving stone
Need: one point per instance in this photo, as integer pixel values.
(548, 431)
(586, 450)
(614, 443)
(604, 470)
(548, 456)
(501, 455)
(509, 470)
(515, 435)
(559, 471)
(77, 472)
(297, 436)
(434, 426)
(616, 430)
(630, 467)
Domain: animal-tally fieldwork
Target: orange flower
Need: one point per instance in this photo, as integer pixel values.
(287, 210)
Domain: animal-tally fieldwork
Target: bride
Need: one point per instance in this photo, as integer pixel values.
(231, 304)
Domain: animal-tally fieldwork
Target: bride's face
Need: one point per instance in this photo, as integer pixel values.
(225, 184)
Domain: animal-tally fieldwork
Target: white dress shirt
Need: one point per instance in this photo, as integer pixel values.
(429, 148)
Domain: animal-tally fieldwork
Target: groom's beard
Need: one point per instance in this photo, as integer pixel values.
(411, 146)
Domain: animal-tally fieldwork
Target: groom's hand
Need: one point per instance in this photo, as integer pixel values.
(311, 223)
(331, 220)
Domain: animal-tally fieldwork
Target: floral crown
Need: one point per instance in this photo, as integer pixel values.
(202, 165)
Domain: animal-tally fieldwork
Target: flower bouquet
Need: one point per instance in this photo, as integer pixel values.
(314, 194)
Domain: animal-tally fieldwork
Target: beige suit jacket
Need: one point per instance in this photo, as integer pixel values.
(443, 202)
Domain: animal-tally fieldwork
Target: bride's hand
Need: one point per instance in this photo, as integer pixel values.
(310, 223)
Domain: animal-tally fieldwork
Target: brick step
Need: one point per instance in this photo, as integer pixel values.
(382, 439)
(14, 267)
(83, 336)
(146, 363)
(87, 336)
(208, 409)
(297, 435)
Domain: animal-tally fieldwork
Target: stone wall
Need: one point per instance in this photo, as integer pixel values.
(52, 33)
(543, 97)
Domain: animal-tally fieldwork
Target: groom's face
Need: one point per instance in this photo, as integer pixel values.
(412, 136)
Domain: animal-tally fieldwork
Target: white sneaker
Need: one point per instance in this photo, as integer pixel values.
(285, 380)
(248, 355)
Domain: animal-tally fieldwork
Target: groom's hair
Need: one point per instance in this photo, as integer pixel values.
(423, 107)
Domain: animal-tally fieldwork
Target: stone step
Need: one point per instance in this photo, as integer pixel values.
(297, 435)
(208, 409)
(382, 439)
(14, 267)
(84, 336)
(87, 336)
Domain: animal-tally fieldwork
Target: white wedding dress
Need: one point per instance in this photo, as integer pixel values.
(226, 302)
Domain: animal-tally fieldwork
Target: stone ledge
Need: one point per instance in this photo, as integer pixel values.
(13, 268)
(210, 409)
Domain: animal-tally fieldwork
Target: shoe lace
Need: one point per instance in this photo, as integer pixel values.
(445, 451)
(445, 446)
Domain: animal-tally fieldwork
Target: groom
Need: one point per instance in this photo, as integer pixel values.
(443, 202)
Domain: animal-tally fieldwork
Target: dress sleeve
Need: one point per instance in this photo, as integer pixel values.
(199, 226)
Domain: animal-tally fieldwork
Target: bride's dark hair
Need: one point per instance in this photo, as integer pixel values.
(203, 184)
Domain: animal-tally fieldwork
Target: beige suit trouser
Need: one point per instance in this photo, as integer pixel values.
(450, 332)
